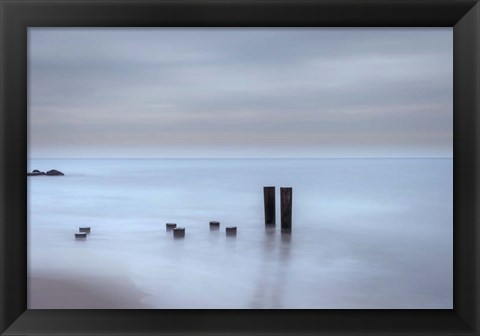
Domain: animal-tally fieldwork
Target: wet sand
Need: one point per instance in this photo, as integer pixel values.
(63, 292)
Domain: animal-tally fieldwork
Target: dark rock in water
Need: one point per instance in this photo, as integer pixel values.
(35, 173)
(54, 172)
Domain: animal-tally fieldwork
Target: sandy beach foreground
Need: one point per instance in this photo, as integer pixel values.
(60, 292)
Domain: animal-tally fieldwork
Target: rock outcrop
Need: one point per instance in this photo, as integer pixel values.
(52, 172)
(35, 173)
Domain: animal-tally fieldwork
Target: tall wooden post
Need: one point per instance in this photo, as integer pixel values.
(269, 203)
(286, 208)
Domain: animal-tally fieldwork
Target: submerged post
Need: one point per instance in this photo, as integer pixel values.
(85, 229)
(80, 235)
(269, 203)
(286, 208)
(231, 230)
(214, 225)
(171, 226)
(179, 233)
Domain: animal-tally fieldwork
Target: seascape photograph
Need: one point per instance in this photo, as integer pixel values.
(240, 168)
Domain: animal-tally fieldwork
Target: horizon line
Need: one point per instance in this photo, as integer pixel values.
(241, 158)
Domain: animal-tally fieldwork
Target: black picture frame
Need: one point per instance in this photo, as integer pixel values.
(17, 15)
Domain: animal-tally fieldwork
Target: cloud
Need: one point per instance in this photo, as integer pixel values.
(317, 91)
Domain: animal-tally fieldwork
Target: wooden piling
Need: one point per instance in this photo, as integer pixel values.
(80, 235)
(269, 205)
(286, 208)
(231, 230)
(179, 232)
(85, 229)
(171, 226)
(214, 225)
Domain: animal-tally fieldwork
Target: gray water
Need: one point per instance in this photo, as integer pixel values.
(367, 233)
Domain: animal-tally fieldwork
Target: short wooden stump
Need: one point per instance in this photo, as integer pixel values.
(171, 226)
(231, 230)
(214, 225)
(179, 233)
(85, 229)
(80, 235)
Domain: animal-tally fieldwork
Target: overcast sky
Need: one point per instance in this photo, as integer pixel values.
(240, 92)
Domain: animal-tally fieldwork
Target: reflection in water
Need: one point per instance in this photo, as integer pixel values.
(214, 234)
(273, 272)
(282, 270)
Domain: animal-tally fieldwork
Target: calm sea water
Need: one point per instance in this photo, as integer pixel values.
(367, 233)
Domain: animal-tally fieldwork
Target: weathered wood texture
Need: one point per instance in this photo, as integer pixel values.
(214, 225)
(286, 208)
(179, 233)
(231, 230)
(269, 203)
(170, 226)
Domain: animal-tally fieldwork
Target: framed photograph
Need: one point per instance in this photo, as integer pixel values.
(270, 167)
